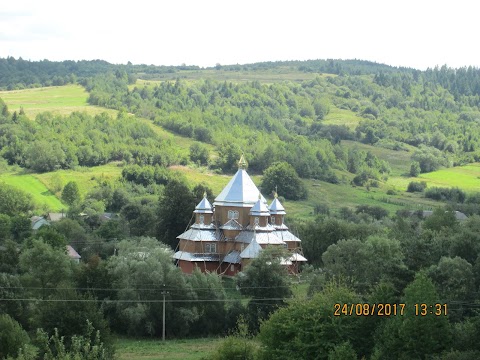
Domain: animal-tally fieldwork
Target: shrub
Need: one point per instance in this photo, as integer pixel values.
(238, 345)
(446, 194)
(416, 186)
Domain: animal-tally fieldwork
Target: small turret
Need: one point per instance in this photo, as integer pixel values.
(203, 211)
(259, 213)
(277, 211)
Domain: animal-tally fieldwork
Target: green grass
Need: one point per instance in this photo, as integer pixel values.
(156, 349)
(338, 116)
(42, 186)
(61, 100)
(42, 197)
(465, 177)
(86, 178)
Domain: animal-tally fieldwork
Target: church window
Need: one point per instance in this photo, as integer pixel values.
(210, 248)
(233, 214)
(273, 219)
(201, 219)
(256, 220)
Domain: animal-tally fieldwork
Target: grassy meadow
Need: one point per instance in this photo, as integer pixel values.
(344, 117)
(42, 197)
(57, 99)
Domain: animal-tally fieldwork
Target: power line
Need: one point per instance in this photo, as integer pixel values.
(141, 301)
(141, 289)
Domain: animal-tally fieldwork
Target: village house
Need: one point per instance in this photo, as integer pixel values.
(227, 236)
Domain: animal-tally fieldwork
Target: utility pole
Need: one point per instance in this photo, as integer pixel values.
(163, 327)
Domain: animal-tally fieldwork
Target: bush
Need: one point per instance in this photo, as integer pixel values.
(238, 345)
(446, 194)
(416, 186)
(377, 212)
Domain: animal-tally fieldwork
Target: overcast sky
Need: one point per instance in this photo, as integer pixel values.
(419, 34)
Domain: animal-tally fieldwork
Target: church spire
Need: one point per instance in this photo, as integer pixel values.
(242, 163)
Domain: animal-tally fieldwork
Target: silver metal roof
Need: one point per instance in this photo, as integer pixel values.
(203, 226)
(231, 224)
(269, 227)
(286, 235)
(198, 235)
(260, 208)
(204, 207)
(233, 257)
(276, 208)
(184, 255)
(297, 257)
(259, 237)
(240, 191)
(251, 251)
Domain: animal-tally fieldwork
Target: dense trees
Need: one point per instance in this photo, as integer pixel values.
(80, 139)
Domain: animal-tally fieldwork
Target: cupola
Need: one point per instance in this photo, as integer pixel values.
(203, 211)
(259, 213)
(277, 211)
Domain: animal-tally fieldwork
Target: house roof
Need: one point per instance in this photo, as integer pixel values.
(240, 191)
(56, 216)
(251, 251)
(71, 252)
(38, 222)
(204, 206)
(276, 207)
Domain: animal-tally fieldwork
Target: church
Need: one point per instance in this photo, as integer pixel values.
(227, 236)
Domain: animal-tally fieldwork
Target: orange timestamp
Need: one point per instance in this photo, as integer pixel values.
(387, 309)
(368, 309)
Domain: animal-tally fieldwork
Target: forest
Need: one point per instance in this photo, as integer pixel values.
(422, 270)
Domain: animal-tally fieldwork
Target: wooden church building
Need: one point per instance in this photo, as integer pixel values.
(228, 235)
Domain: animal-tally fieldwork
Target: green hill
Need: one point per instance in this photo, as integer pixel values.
(330, 127)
